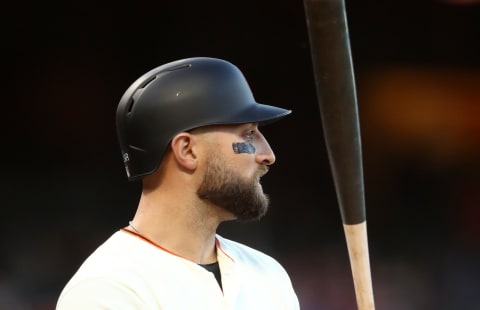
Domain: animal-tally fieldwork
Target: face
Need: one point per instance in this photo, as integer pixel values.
(233, 171)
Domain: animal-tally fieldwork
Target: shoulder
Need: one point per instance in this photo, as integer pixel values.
(121, 255)
(109, 273)
(259, 271)
(241, 253)
(97, 293)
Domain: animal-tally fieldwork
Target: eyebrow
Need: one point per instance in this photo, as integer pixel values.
(250, 125)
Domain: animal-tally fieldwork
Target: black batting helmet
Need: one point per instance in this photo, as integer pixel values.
(180, 96)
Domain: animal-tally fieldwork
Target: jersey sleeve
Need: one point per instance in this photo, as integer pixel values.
(98, 293)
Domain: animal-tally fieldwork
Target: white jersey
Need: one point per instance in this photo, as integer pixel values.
(127, 272)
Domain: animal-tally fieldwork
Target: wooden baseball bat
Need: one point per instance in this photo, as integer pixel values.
(335, 86)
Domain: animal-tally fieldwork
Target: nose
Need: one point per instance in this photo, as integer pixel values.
(264, 154)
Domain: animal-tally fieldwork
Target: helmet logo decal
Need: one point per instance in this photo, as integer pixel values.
(126, 159)
(243, 147)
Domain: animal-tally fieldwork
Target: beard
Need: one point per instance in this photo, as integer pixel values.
(225, 188)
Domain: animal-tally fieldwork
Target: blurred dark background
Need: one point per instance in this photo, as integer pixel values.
(63, 186)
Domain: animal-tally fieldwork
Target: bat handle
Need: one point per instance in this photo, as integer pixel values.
(357, 244)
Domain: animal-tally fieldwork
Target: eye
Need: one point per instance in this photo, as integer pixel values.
(250, 135)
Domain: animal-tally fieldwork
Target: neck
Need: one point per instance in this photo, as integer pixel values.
(184, 227)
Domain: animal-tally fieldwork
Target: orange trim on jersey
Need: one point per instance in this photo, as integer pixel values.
(152, 242)
(219, 246)
(136, 234)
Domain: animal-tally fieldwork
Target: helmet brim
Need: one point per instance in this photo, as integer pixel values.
(257, 113)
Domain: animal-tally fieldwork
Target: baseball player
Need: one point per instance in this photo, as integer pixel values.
(189, 131)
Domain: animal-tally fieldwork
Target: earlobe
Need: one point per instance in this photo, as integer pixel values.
(183, 150)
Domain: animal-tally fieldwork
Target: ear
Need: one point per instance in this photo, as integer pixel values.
(183, 150)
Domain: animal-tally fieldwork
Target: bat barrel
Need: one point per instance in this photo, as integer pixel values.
(335, 86)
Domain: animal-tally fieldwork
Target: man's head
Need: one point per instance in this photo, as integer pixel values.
(180, 96)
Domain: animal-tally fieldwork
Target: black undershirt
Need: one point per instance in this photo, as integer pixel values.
(215, 269)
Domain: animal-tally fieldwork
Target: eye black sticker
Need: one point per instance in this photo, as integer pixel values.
(243, 147)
